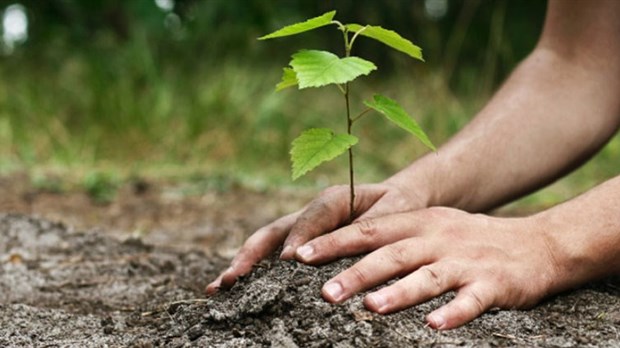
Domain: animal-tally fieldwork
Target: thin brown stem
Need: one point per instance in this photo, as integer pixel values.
(351, 171)
(347, 52)
(354, 119)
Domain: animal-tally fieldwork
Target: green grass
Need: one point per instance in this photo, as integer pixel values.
(100, 119)
(128, 114)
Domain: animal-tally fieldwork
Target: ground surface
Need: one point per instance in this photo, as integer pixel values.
(79, 287)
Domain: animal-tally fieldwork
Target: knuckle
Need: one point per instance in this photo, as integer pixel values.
(367, 228)
(329, 241)
(432, 277)
(398, 292)
(359, 275)
(247, 251)
(476, 301)
(397, 254)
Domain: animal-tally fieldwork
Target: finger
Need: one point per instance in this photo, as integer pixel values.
(260, 245)
(468, 304)
(357, 238)
(420, 286)
(383, 264)
(329, 211)
(214, 285)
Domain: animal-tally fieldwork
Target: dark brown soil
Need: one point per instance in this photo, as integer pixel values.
(68, 287)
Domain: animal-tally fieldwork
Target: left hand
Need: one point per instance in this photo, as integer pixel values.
(489, 261)
(325, 213)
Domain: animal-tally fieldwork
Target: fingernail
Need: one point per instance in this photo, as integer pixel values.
(437, 320)
(305, 252)
(286, 251)
(378, 301)
(212, 289)
(333, 290)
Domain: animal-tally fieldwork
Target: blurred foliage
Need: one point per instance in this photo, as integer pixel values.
(101, 186)
(470, 33)
(138, 87)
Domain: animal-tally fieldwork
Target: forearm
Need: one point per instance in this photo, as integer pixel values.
(558, 107)
(546, 119)
(584, 235)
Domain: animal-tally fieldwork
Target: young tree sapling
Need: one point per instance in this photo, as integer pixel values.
(314, 68)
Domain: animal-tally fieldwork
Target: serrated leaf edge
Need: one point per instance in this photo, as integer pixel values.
(328, 16)
(303, 84)
(284, 83)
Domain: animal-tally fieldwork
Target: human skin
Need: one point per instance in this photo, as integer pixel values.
(423, 224)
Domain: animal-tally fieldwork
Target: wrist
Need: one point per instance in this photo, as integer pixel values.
(572, 246)
(429, 182)
(412, 184)
(553, 270)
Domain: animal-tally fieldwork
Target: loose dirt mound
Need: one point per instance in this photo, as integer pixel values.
(69, 288)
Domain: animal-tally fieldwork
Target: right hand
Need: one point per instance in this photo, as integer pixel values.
(324, 214)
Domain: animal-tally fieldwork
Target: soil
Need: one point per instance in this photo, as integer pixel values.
(102, 284)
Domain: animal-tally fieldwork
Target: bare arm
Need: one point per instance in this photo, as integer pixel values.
(556, 109)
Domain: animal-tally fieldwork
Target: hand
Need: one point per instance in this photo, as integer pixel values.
(490, 262)
(324, 214)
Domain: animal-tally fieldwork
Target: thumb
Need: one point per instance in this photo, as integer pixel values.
(389, 203)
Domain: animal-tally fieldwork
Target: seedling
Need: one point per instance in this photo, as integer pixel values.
(313, 68)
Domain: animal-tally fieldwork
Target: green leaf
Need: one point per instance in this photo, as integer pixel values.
(320, 68)
(310, 24)
(388, 37)
(315, 146)
(395, 113)
(289, 79)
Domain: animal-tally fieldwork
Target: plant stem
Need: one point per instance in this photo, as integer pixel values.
(351, 171)
(354, 119)
(347, 49)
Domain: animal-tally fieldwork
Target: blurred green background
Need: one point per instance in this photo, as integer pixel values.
(182, 89)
